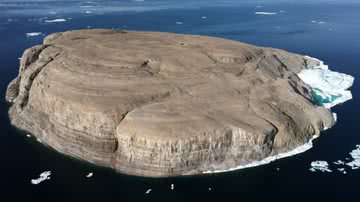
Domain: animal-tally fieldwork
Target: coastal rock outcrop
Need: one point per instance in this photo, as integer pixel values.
(160, 104)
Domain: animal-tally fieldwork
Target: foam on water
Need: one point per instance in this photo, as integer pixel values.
(269, 159)
(329, 88)
(43, 176)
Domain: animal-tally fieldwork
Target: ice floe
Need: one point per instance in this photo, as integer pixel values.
(89, 175)
(265, 13)
(339, 162)
(148, 191)
(355, 154)
(269, 159)
(56, 20)
(342, 170)
(33, 34)
(322, 166)
(43, 176)
(328, 88)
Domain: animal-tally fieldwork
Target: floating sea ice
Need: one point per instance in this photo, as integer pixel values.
(322, 166)
(265, 13)
(328, 88)
(148, 191)
(33, 34)
(56, 20)
(355, 154)
(342, 170)
(339, 162)
(90, 175)
(43, 176)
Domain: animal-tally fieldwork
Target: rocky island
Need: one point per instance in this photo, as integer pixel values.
(160, 104)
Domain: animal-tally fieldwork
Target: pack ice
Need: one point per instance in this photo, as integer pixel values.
(328, 88)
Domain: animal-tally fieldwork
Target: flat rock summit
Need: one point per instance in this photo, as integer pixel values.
(161, 104)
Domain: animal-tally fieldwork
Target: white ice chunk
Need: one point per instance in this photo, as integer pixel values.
(335, 116)
(265, 13)
(322, 166)
(56, 20)
(329, 88)
(43, 176)
(33, 34)
(90, 175)
(148, 191)
(269, 159)
(339, 162)
(355, 154)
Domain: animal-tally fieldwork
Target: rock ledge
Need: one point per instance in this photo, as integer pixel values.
(161, 104)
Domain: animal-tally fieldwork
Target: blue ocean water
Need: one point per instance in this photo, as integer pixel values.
(328, 30)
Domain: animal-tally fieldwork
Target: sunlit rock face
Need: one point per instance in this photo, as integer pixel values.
(161, 104)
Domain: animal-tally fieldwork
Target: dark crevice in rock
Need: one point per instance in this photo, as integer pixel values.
(32, 75)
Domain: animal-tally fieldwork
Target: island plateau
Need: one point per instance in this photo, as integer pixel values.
(160, 104)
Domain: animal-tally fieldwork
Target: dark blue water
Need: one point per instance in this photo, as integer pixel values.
(336, 41)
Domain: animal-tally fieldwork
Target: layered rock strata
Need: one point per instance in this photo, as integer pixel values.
(160, 104)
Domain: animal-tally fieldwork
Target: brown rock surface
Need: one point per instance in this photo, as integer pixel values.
(161, 104)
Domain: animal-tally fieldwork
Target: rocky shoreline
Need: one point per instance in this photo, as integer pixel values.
(160, 104)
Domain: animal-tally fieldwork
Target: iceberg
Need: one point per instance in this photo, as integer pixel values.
(328, 88)
(43, 176)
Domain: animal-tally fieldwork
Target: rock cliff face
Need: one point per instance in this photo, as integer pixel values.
(161, 104)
